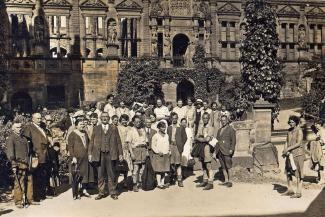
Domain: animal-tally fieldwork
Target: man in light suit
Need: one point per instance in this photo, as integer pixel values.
(225, 148)
(35, 133)
(106, 148)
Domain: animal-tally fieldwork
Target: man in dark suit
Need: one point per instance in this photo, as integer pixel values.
(38, 137)
(18, 151)
(177, 139)
(149, 131)
(225, 148)
(106, 148)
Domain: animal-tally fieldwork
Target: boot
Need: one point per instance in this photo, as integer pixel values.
(209, 186)
(202, 184)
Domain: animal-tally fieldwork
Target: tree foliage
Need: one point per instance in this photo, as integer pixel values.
(315, 70)
(262, 71)
(142, 79)
(4, 43)
(139, 80)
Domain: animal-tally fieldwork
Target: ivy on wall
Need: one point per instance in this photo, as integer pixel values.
(141, 79)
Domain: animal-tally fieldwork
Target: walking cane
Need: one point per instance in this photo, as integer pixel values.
(24, 200)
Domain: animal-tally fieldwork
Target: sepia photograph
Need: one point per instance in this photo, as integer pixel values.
(162, 108)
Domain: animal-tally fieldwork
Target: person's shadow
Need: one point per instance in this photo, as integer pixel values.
(279, 188)
(6, 211)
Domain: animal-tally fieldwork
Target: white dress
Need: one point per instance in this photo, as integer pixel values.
(186, 155)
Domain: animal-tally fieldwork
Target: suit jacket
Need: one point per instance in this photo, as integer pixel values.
(79, 150)
(98, 138)
(180, 137)
(17, 148)
(226, 137)
(39, 141)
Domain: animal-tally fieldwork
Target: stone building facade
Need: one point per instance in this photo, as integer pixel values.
(65, 51)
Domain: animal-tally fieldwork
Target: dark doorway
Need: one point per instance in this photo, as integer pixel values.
(185, 89)
(22, 101)
(180, 44)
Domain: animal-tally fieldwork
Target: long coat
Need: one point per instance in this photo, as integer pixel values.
(180, 137)
(112, 138)
(226, 137)
(79, 150)
(39, 141)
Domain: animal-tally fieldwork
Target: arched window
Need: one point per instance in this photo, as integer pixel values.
(100, 53)
(54, 52)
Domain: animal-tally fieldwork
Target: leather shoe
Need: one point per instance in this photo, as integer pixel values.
(180, 184)
(135, 188)
(297, 195)
(114, 196)
(19, 206)
(229, 184)
(100, 196)
(288, 193)
(201, 185)
(209, 186)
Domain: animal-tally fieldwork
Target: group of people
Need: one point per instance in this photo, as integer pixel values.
(107, 141)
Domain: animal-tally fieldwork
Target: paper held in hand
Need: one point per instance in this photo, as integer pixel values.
(213, 142)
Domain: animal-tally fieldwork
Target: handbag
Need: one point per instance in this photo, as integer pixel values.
(148, 177)
(122, 166)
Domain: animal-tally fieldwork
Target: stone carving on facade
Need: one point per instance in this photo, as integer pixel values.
(167, 44)
(39, 29)
(128, 4)
(316, 11)
(180, 7)
(204, 10)
(20, 1)
(165, 7)
(111, 32)
(207, 43)
(243, 29)
(288, 10)
(228, 8)
(93, 3)
(22, 36)
(57, 3)
(154, 44)
(155, 8)
(159, 8)
(302, 36)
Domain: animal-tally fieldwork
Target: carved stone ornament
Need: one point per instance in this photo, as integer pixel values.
(302, 37)
(57, 3)
(111, 32)
(20, 1)
(288, 10)
(180, 7)
(128, 4)
(228, 7)
(93, 3)
(316, 11)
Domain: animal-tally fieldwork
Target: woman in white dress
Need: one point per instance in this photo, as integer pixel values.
(160, 159)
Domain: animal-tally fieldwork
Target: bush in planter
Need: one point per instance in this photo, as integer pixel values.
(262, 73)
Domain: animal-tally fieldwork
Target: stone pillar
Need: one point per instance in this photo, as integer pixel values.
(139, 36)
(119, 37)
(68, 34)
(129, 30)
(83, 35)
(262, 116)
